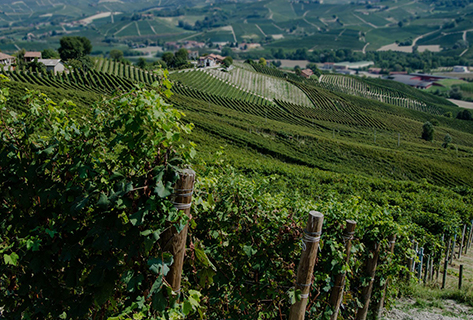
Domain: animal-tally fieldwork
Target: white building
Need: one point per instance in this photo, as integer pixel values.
(53, 65)
(6, 60)
(460, 69)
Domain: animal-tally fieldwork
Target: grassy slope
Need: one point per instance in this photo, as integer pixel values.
(351, 148)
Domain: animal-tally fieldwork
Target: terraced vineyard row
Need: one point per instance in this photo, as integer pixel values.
(262, 85)
(337, 109)
(125, 71)
(350, 85)
(98, 82)
(269, 111)
(276, 73)
(207, 82)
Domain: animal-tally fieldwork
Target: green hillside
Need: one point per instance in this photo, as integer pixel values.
(342, 124)
(344, 146)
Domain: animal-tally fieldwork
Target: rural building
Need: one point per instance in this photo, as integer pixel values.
(375, 70)
(6, 60)
(218, 58)
(346, 71)
(461, 69)
(328, 65)
(192, 54)
(53, 65)
(353, 65)
(31, 55)
(306, 73)
(411, 80)
(207, 61)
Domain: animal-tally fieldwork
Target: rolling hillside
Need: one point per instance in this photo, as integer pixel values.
(342, 124)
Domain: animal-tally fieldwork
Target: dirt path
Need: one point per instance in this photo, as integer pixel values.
(260, 30)
(430, 307)
(368, 23)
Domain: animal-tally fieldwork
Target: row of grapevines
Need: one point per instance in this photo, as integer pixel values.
(353, 86)
(208, 83)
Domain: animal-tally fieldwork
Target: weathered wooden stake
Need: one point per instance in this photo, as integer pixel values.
(427, 268)
(469, 239)
(172, 240)
(337, 291)
(445, 264)
(421, 261)
(460, 279)
(366, 291)
(384, 288)
(411, 263)
(310, 244)
(461, 244)
(453, 249)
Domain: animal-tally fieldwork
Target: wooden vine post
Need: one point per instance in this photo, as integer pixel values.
(173, 241)
(468, 241)
(384, 288)
(370, 271)
(462, 242)
(337, 291)
(310, 243)
(445, 264)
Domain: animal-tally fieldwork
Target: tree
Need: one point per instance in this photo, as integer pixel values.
(116, 55)
(465, 115)
(74, 48)
(180, 57)
(49, 54)
(428, 131)
(142, 63)
(228, 61)
(262, 61)
(169, 58)
(446, 140)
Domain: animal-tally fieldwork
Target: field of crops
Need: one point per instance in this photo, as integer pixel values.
(125, 71)
(354, 86)
(262, 85)
(94, 81)
(210, 82)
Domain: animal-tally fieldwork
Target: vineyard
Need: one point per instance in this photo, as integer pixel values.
(94, 81)
(263, 85)
(126, 71)
(209, 83)
(247, 234)
(354, 86)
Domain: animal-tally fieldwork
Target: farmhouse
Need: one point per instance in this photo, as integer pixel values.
(328, 65)
(207, 61)
(306, 73)
(53, 65)
(6, 60)
(461, 69)
(31, 55)
(411, 80)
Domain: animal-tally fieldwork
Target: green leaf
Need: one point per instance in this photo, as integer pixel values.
(249, 250)
(201, 256)
(294, 295)
(162, 191)
(103, 201)
(11, 259)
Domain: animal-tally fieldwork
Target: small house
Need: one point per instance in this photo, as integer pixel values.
(306, 73)
(53, 65)
(31, 55)
(461, 69)
(207, 61)
(328, 65)
(6, 60)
